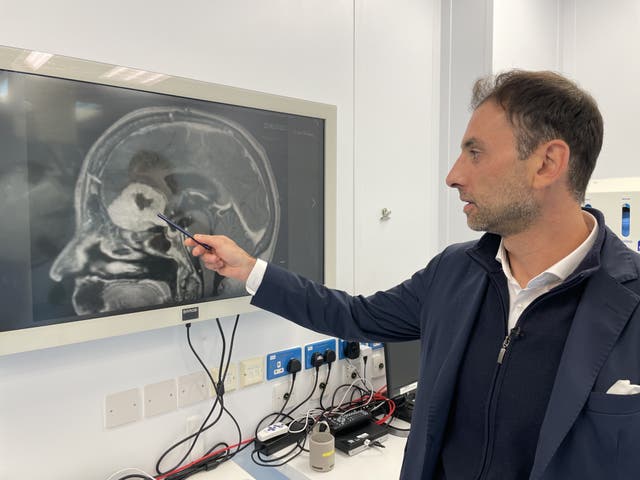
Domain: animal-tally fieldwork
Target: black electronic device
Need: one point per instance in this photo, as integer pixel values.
(402, 369)
(348, 421)
(355, 441)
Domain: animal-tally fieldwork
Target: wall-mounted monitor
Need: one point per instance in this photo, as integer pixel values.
(91, 153)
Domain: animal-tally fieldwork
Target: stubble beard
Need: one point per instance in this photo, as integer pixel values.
(514, 212)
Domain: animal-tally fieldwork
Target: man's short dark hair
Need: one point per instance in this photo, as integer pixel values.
(543, 106)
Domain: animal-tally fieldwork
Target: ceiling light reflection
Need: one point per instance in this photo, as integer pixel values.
(133, 75)
(35, 60)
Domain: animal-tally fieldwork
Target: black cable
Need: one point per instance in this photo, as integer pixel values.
(219, 389)
(280, 412)
(231, 342)
(220, 370)
(258, 458)
(207, 464)
(397, 428)
(185, 439)
(326, 385)
(364, 368)
(224, 376)
(202, 428)
(286, 400)
(220, 394)
(265, 462)
(315, 385)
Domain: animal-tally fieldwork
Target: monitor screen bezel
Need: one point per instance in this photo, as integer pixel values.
(58, 66)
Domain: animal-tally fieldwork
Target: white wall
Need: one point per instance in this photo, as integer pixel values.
(51, 402)
(601, 51)
(593, 42)
(526, 34)
(396, 99)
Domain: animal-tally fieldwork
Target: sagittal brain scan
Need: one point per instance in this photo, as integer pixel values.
(208, 174)
(88, 167)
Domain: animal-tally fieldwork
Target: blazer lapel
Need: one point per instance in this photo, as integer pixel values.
(601, 316)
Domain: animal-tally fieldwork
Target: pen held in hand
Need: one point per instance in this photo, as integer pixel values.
(188, 234)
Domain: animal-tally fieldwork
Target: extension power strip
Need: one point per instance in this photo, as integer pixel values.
(275, 444)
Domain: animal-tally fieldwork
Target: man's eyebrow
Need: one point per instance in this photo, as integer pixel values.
(471, 142)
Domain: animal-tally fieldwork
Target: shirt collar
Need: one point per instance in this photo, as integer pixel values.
(560, 270)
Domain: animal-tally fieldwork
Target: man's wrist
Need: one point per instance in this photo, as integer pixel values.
(251, 263)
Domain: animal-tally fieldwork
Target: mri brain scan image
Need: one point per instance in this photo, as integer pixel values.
(201, 170)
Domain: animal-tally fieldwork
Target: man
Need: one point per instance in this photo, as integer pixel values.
(522, 332)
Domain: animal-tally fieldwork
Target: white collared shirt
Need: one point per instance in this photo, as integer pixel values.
(520, 298)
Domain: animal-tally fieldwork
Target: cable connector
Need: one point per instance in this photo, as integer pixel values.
(329, 356)
(294, 365)
(317, 359)
(219, 388)
(351, 350)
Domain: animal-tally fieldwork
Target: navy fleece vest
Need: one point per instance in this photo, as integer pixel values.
(495, 418)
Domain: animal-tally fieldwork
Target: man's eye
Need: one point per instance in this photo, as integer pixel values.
(474, 154)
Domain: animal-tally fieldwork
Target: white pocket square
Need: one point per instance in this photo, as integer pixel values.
(624, 387)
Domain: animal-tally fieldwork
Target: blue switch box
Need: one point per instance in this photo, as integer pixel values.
(319, 347)
(277, 362)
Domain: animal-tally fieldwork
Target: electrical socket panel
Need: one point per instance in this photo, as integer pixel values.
(277, 362)
(193, 388)
(230, 381)
(280, 389)
(365, 351)
(160, 397)
(318, 347)
(251, 371)
(350, 372)
(377, 364)
(122, 407)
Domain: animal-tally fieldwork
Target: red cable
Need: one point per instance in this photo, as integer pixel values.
(392, 408)
(209, 455)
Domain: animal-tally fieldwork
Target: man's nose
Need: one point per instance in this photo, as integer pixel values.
(454, 177)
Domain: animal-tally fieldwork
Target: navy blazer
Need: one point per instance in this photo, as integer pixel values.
(585, 434)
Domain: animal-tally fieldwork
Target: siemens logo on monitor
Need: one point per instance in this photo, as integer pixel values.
(190, 313)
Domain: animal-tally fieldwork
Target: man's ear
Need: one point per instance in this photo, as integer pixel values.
(553, 162)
